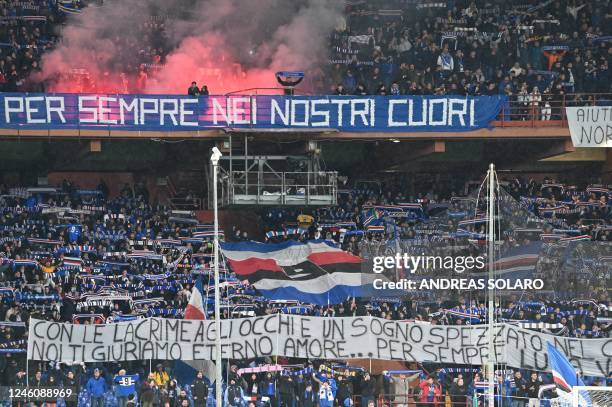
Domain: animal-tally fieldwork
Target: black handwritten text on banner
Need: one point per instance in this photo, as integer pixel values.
(308, 337)
(590, 126)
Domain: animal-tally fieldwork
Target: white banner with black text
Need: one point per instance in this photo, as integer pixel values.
(590, 126)
(308, 337)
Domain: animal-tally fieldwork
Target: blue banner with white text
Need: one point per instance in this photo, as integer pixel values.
(186, 113)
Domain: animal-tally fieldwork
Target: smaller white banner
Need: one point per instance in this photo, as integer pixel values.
(590, 126)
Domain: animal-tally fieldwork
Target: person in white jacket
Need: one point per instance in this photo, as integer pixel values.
(536, 100)
(446, 62)
(326, 395)
(524, 101)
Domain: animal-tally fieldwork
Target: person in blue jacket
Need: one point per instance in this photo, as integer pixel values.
(96, 387)
(517, 390)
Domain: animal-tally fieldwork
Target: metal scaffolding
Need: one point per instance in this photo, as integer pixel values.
(251, 179)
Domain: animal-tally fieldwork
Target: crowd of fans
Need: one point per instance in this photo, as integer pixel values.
(30, 28)
(534, 52)
(284, 382)
(27, 30)
(80, 256)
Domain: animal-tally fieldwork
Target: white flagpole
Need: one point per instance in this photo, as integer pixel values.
(218, 367)
(491, 292)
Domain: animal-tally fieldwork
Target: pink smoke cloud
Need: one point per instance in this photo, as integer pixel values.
(227, 44)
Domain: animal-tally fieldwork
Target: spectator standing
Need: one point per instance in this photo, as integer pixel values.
(367, 389)
(172, 393)
(326, 395)
(344, 394)
(51, 383)
(193, 89)
(286, 391)
(340, 91)
(182, 399)
(96, 386)
(70, 382)
(430, 392)
(160, 376)
(38, 380)
(349, 82)
(20, 379)
(536, 99)
(533, 390)
(233, 394)
(395, 89)
(125, 385)
(308, 398)
(518, 390)
(142, 79)
(458, 391)
(524, 100)
(267, 387)
(253, 386)
(148, 392)
(548, 99)
(199, 390)
(361, 90)
(446, 63)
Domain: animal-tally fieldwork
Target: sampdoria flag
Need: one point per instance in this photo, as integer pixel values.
(73, 262)
(315, 272)
(196, 309)
(564, 374)
(519, 262)
(565, 377)
(186, 370)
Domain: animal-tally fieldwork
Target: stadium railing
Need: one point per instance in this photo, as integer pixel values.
(282, 188)
(185, 203)
(411, 399)
(546, 111)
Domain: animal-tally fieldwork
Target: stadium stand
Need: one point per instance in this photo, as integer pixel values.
(473, 47)
(76, 255)
(88, 257)
(541, 55)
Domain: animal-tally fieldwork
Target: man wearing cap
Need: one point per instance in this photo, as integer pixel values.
(161, 376)
(96, 387)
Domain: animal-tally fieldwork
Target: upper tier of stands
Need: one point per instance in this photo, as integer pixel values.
(533, 51)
